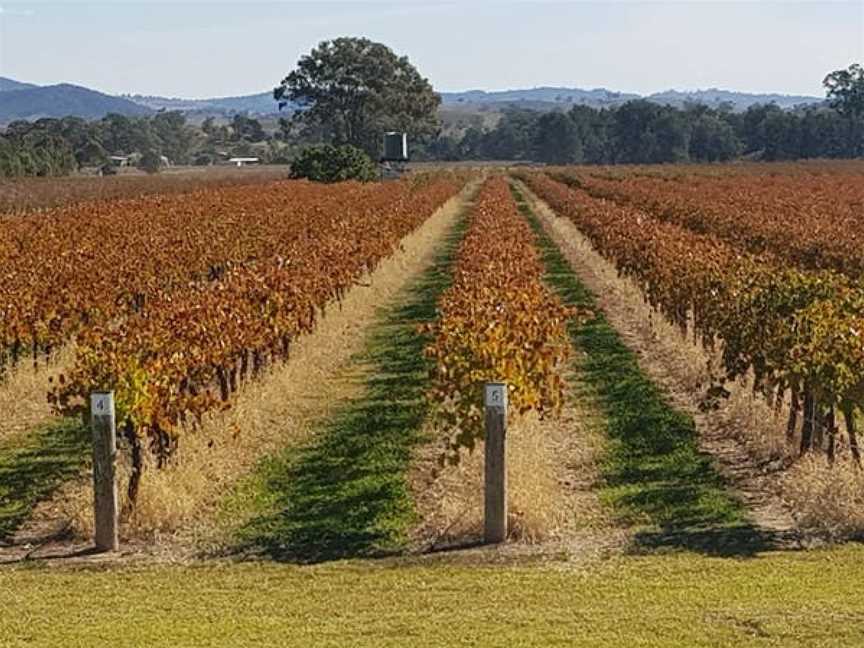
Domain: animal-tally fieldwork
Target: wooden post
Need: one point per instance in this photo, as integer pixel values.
(105, 508)
(495, 398)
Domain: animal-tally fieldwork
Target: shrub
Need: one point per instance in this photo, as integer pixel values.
(150, 162)
(204, 159)
(328, 163)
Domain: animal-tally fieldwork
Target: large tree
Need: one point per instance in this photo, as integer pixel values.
(512, 138)
(845, 89)
(247, 129)
(712, 139)
(354, 90)
(556, 140)
(176, 139)
(645, 132)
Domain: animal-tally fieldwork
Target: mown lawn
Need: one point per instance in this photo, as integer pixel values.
(682, 599)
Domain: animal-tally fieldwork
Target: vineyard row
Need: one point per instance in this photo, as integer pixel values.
(185, 354)
(797, 333)
(72, 268)
(811, 222)
(496, 322)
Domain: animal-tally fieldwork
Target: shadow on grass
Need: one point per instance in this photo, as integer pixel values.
(654, 473)
(346, 495)
(31, 468)
(730, 541)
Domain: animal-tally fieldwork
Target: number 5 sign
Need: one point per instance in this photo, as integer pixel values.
(495, 471)
(496, 395)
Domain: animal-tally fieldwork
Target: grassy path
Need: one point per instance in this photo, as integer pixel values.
(33, 465)
(346, 494)
(654, 475)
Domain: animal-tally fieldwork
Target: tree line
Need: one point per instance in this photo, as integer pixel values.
(51, 147)
(642, 132)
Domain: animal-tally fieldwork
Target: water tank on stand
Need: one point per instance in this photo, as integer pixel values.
(395, 147)
(395, 155)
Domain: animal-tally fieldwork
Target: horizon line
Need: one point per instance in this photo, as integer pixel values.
(474, 89)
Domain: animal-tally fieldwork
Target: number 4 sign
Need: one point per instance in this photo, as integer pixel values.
(102, 404)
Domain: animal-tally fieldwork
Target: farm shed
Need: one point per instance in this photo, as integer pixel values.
(243, 161)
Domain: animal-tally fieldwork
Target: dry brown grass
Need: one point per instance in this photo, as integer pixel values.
(827, 499)
(28, 194)
(551, 472)
(23, 394)
(275, 411)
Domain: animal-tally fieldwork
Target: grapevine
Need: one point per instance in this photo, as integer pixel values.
(497, 322)
(810, 221)
(88, 264)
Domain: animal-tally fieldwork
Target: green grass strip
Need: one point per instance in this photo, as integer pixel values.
(32, 466)
(346, 494)
(654, 474)
(683, 600)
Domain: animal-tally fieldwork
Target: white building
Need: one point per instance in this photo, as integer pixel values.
(243, 161)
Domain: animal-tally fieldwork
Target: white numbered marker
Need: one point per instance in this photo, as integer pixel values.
(496, 395)
(102, 404)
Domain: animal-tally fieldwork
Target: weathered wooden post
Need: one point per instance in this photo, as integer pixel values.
(495, 398)
(105, 508)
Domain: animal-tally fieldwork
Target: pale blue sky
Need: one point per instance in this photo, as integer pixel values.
(201, 49)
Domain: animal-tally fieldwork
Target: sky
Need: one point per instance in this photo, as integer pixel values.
(207, 49)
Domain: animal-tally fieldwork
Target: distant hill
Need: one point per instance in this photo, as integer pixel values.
(11, 84)
(598, 97)
(544, 98)
(739, 100)
(20, 100)
(550, 97)
(62, 100)
(259, 104)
